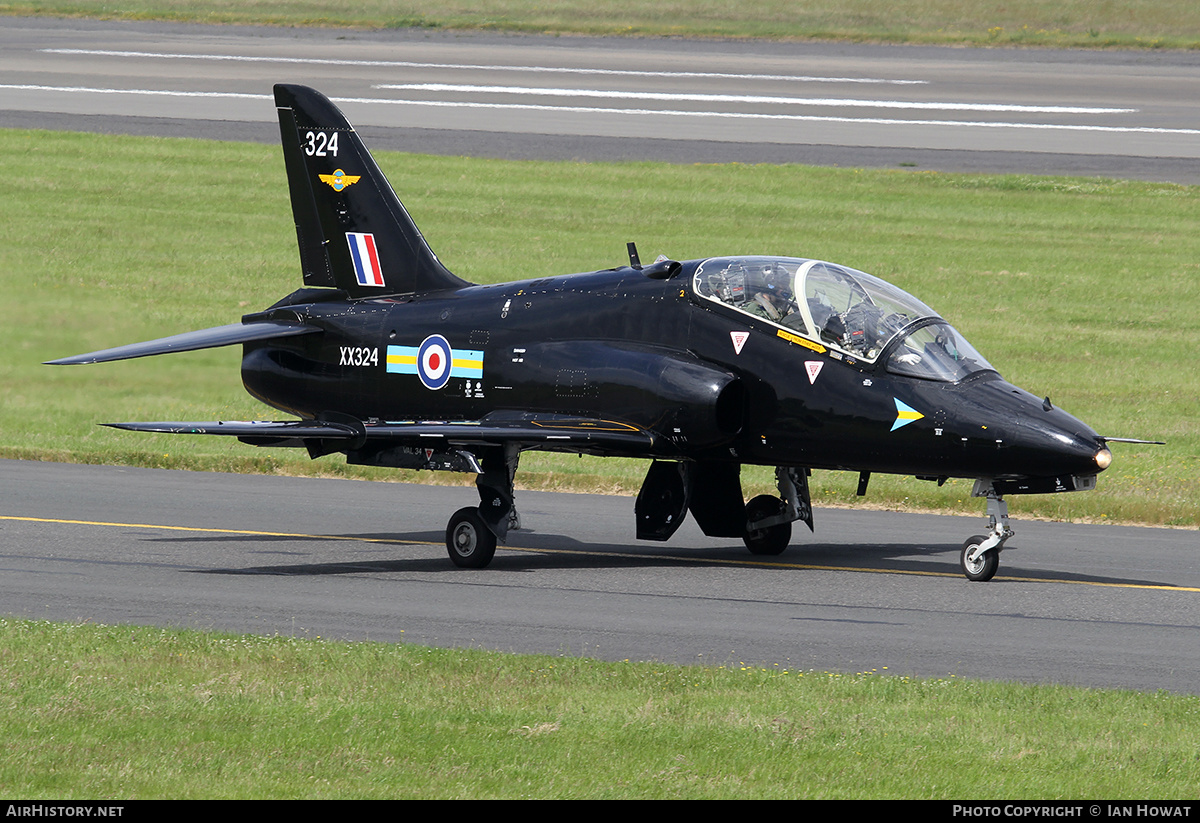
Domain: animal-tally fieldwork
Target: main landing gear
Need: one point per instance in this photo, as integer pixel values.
(472, 533)
(711, 491)
(769, 519)
(980, 556)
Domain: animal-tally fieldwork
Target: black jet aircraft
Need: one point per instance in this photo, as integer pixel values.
(700, 366)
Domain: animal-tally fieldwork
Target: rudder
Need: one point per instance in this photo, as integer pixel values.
(352, 230)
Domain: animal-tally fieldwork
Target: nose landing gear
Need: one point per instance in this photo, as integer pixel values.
(980, 556)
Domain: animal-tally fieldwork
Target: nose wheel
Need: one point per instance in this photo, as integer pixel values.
(979, 565)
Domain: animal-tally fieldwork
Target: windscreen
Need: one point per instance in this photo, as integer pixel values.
(936, 352)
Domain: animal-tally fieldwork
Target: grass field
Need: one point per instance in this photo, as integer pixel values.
(1060, 23)
(1083, 290)
(93, 712)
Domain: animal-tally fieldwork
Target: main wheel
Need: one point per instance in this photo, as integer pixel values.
(982, 568)
(468, 539)
(773, 539)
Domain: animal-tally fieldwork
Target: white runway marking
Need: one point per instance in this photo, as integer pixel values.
(632, 112)
(404, 64)
(229, 95)
(745, 98)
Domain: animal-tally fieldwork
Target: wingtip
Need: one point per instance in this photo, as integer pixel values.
(74, 360)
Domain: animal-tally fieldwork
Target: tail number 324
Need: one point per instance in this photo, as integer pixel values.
(321, 144)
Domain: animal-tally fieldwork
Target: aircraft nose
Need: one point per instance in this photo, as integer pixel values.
(1066, 445)
(1042, 439)
(1082, 451)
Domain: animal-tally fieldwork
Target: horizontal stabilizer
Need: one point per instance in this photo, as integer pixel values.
(192, 341)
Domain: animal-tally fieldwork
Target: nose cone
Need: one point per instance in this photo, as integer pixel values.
(1029, 437)
(1060, 444)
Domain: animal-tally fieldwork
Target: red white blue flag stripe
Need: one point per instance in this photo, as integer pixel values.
(366, 259)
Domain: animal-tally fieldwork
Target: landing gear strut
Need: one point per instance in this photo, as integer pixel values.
(981, 553)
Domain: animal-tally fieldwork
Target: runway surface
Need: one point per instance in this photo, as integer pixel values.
(870, 591)
(1130, 115)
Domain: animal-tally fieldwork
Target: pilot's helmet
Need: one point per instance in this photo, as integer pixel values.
(772, 279)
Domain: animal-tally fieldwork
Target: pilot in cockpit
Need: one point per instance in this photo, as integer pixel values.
(769, 294)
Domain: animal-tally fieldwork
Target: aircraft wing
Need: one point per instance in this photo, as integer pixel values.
(192, 341)
(532, 430)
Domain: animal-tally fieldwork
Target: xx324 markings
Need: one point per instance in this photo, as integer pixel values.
(359, 356)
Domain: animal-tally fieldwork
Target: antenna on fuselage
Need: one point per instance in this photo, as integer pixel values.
(634, 261)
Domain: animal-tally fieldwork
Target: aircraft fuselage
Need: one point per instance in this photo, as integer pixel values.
(620, 345)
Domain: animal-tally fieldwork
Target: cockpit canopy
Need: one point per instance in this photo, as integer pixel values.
(847, 310)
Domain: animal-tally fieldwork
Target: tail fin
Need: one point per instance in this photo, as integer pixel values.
(353, 231)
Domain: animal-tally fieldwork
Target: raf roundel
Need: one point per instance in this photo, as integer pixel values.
(433, 361)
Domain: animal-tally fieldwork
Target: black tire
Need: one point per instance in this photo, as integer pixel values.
(469, 541)
(773, 539)
(983, 569)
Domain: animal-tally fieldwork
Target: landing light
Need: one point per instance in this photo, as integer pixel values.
(1103, 458)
